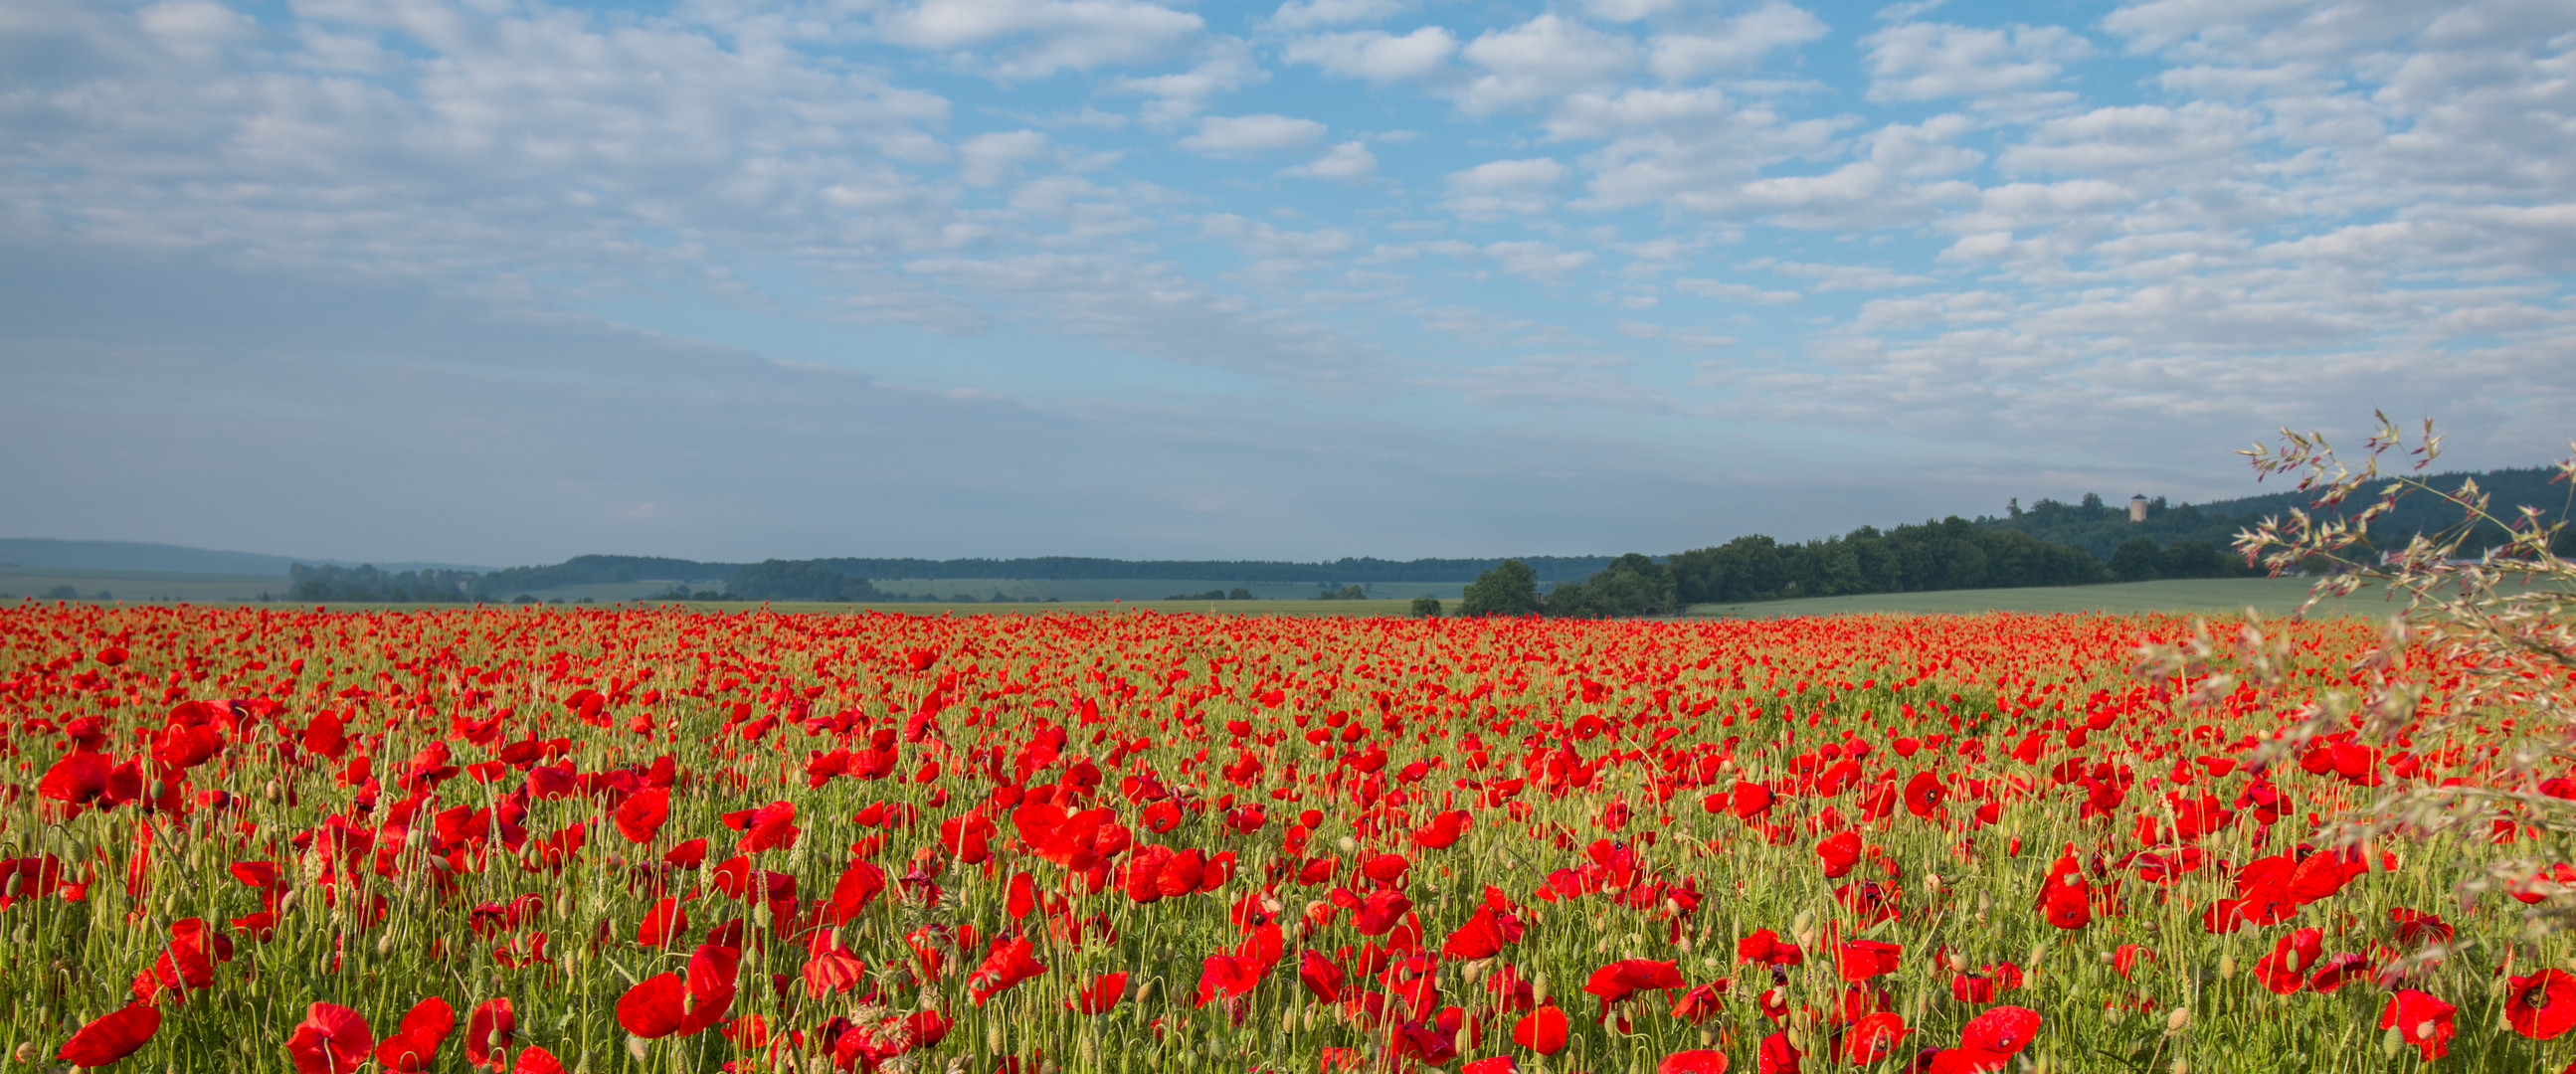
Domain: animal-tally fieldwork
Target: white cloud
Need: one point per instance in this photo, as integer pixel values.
(1923, 61)
(1227, 65)
(1043, 36)
(991, 159)
(1376, 55)
(1627, 10)
(1308, 14)
(1735, 292)
(1349, 160)
(1246, 135)
(1537, 260)
(1268, 241)
(1546, 57)
(1501, 187)
(1840, 277)
(1735, 43)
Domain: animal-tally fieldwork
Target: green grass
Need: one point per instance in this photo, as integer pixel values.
(2216, 596)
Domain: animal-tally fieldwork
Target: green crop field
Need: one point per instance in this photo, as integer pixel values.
(2267, 596)
(138, 587)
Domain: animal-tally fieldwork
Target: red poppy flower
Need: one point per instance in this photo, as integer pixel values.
(1750, 800)
(332, 1039)
(1778, 1056)
(1011, 961)
(1541, 1030)
(2004, 1030)
(1860, 960)
(414, 1043)
(663, 925)
(1841, 853)
(1924, 793)
(663, 1004)
(111, 1036)
(1695, 1061)
(1103, 995)
(830, 969)
(537, 1060)
(642, 814)
(1701, 1002)
(1873, 1037)
(1627, 977)
(2420, 1020)
(488, 1032)
(2543, 1005)
(1764, 946)
(2285, 969)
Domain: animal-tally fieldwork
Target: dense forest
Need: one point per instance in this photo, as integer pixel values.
(369, 585)
(2101, 527)
(587, 570)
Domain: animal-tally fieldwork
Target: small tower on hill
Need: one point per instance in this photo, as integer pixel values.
(2138, 507)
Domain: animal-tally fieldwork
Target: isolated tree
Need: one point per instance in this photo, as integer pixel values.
(1426, 607)
(1510, 588)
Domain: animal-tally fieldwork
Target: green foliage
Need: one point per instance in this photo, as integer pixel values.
(1426, 607)
(583, 570)
(1238, 593)
(1509, 588)
(779, 579)
(369, 585)
(1632, 585)
(1950, 554)
(2100, 528)
(1213, 594)
(1354, 591)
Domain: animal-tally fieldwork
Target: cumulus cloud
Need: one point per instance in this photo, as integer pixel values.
(1349, 160)
(1308, 14)
(1497, 187)
(1925, 61)
(990, 159)
(1545, 58)
(1018, 39)
(1244, 135)
(1376, 55)
(1734, 43)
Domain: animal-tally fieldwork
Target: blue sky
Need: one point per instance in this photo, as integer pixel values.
(498, 281)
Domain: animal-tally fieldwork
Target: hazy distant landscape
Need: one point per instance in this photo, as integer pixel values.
(2098, 555)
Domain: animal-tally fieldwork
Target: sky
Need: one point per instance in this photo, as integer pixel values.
(502, 282)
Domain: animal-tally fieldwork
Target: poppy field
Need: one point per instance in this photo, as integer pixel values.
(530, 841)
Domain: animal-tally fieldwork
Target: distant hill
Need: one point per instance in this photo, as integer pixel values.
(2100, 527)
(177, 559)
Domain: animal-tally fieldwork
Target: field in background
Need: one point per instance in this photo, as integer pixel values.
(139, 587)
(2199, 596)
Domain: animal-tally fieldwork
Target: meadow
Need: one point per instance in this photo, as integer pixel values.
(2193, 596)
(662, 839)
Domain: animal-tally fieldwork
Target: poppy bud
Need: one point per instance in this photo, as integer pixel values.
(637, 1047)
(2177, 1021)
